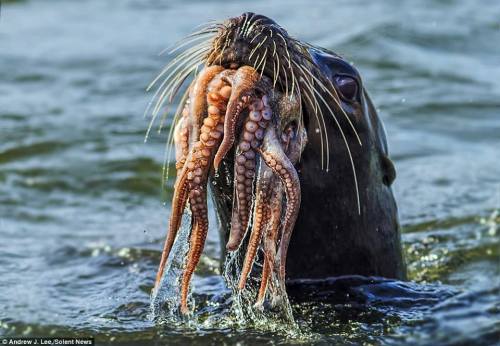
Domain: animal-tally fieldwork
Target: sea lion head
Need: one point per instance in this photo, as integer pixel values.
(335, 109)
(348, 222)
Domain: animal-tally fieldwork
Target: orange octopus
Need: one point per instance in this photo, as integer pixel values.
(221, 103)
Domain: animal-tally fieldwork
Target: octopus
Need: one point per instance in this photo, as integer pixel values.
(237, 108)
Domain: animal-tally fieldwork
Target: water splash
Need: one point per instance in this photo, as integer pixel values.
(165, 299)
(241, 312)
(276, 314)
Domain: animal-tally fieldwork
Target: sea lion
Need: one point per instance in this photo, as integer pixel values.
(288, 140)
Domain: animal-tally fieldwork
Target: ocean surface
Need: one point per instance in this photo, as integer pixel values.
(83, 212)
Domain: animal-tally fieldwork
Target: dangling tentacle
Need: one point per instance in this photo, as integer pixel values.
(260, 218)
(271, 238)
(198, 202)
(202, 153)
(220, 101)
(197, 161)
(178, 204)
(244, 170)
(196, 111)
(276, 159)
(293, 144)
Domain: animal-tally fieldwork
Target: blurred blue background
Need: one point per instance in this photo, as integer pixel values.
(82, 208)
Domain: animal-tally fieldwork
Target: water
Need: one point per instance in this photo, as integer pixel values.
(81, 214)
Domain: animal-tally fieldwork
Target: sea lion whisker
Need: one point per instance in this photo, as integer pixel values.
(182, 75)
(158, 106)
(226, 42)
(185, 41)
(180, 82)
(172, 93)
(173, 90)
(245, 23)
(254, 65)
(321, 123)
(161, 90)
(286, 80)
(263, 66)
(278, 69)
(185, 54)
(215, 43)
(170, 140)
(299, 97)
(286, 49)
(346, 116)
(160, 102)
(262, 42)
(182, 42)
(264, 58)
(211, 24)
(336, 100)
(289, 64)
(317, 113)
(348, 150)
(293, 75)
(196, 58)
(254, 49)
(250, 28)
(319, 117)
(173, 63)
(192, 61)
(275, 74)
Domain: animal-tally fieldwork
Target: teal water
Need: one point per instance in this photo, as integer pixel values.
(82, 209)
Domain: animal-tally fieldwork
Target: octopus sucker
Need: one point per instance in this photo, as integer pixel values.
(221, 103)
(198, 97)
(244, 175)
(244, 84)
(181, 139)
(261, 214)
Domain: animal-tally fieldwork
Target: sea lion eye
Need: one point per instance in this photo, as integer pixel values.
(347, 86)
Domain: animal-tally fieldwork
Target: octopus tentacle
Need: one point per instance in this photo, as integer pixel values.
(179, 201)
(260, 218)
(293, 148)
(276, 159)
(198, 202)
(244, 84)
(203, 151)
(244, 170)
(181, 138)
(196, 166)
(270, 239)
(198, 96)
